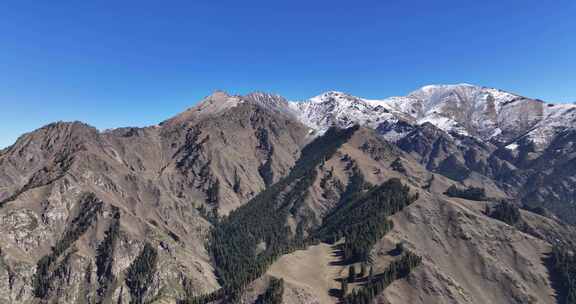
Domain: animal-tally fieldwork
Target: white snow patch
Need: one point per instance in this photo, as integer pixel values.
(461, 108)
(444, 123)
(512, 146)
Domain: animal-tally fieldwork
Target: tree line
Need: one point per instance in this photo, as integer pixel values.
(363, 220)
(563, 263)
(376, 284)
(141, 273)
(105, 254)
(505, 212)
(273, 294)
(470, 193)
(262, 221)
(247, 241)
(46, 270)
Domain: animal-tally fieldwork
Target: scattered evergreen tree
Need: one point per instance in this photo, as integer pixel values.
(351, 273)
(204, 299)
(105, 253)
(540, 210)
(397, 165)
(355, 187)
(264, 144)
(362, 269)
(234, 240)
(371, 274)
(362, 220)
(396, 270)
(487, 209)
(343, 288)
(429, 182)
(453, 169)
(399, 249)
(88, 209)
(211, 215)
(141, 272)
(212, 192)
(470, 193)
(273, 294)
(506, 212)
(563, 263)
(236, 185)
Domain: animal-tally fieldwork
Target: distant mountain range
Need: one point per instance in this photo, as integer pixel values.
(485, 113)
(451, 194)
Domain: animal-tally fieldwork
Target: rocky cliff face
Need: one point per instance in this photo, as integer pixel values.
(128, 215)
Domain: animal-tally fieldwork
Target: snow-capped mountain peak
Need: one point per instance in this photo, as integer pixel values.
(485, 113)
(330, 95)
(340, 109)
(482, 112)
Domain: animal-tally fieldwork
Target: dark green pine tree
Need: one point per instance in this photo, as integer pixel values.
(351, 273)
(399, 248)
(487, 209)
(371, 274)
(397, 269)
(343, 288)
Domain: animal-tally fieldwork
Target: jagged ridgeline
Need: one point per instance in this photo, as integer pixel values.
(484, 161)
(363, 220)
(246, 242)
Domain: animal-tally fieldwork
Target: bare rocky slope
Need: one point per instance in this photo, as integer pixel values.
(145, 215)
(159, 185)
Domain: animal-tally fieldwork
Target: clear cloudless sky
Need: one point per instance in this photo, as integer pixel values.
(136, 63)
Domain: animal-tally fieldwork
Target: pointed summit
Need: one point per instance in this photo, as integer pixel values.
(218, 95)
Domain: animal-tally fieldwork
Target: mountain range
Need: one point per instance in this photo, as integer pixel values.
(451, 194)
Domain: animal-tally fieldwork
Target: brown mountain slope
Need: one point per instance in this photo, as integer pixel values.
(125, 215)
(468, 256)
(154, 179)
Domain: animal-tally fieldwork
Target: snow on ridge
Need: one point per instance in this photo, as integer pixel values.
(445, 86)
(512, 146)
(327, 94)
(555, 117)
(340, 109)
(428, 104)
(444, 123)
(482, 112)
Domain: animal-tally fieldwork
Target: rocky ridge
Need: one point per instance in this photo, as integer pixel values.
(124, 215)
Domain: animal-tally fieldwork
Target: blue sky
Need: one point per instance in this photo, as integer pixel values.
(135, 63)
